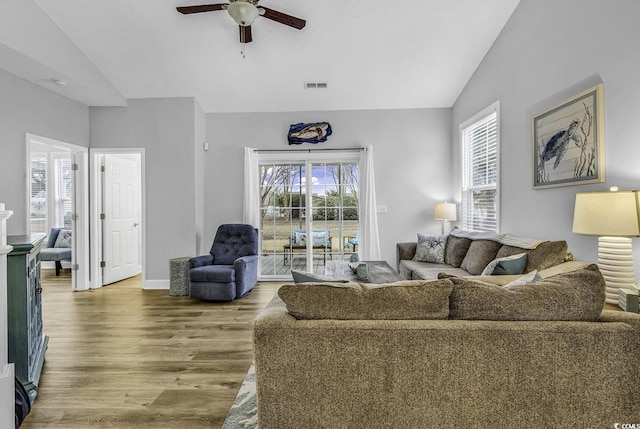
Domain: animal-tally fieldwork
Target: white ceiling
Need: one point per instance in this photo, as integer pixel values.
(373, 54)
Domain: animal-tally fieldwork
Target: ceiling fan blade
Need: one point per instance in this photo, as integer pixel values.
(245, 34)
(283, 18)
(201, 8)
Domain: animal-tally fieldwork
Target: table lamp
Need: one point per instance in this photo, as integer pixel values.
(614, 217)
(445, 212)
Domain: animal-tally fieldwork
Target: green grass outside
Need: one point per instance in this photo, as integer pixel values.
(276, 233)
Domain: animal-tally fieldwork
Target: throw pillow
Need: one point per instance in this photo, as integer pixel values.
(319, 237)
(576, 295)
(514, 264)
(299, 237)
(480, 253)
(430, 248)
(455, 250)
(64, 238)
(404, 300)
(305, 277)
(523, 280)
(546, 254)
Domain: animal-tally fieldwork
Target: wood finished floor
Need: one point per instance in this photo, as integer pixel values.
(121, 357)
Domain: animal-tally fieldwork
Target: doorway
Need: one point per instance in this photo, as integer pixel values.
(58, 198)
(308, 213)
(117, 213)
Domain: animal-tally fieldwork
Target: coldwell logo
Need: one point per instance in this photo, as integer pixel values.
(626, 425)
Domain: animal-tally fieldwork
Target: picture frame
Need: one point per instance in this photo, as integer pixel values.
(568, 141)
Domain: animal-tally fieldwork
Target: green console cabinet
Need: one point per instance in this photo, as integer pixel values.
(27, 342)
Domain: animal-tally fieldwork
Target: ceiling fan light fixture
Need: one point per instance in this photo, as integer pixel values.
(243, 12)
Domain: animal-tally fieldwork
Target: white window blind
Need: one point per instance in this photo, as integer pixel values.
(479, 138)
(63, 192)
(38, 193)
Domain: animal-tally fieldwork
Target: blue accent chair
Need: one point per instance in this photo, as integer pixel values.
(230, 270)
(57, 254)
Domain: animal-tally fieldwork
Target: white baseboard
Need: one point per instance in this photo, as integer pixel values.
(155, 284)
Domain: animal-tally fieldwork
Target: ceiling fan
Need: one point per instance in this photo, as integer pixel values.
(245, 12)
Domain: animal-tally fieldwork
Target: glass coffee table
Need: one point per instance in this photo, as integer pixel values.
(379, 272)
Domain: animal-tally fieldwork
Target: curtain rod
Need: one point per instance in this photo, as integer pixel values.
(353, 149)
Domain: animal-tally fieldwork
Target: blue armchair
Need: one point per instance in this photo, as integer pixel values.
(57, 250)
(230, 270)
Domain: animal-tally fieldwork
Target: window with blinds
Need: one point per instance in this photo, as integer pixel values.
(38, 192)
(51, 190)
(63, 202)
(479, 137)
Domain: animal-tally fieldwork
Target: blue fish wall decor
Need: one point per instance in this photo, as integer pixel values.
(316, 132)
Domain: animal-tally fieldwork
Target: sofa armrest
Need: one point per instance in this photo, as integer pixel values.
(244, 261)
(200, 261)
(405, 251)
(631, 319)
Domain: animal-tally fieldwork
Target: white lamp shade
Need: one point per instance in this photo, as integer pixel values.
(445, 211)
(244, 13)
(608, 214)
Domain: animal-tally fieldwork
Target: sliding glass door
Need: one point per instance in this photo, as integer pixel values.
(309, 214)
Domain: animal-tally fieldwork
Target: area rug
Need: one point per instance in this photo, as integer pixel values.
(244, 411)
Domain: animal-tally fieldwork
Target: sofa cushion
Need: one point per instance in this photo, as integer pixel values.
(546, 254)
(306, 277)
(508, 265)
(530, 277)
(404, 300)
(576, 295)
(413, 270)
(55, 254)
(455, 250)
(480, 253)
(430, 248)
(213, 274)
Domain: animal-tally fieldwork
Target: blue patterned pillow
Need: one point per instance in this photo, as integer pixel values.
(430, 248)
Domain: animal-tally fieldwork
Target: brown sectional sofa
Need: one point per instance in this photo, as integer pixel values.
(439, 368)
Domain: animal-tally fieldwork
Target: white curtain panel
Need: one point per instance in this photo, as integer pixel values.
(251, 206)
(369, 238)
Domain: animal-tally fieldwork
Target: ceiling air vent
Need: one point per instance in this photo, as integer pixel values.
(315, 85)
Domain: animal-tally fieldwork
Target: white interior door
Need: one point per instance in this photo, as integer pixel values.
(121, 208)
(63, 199)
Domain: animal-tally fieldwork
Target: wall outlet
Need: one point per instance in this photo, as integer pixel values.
(381, 208)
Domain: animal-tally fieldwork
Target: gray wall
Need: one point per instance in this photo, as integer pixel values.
(411, 152)
(165, 128)
(549, 51)
(27, 108)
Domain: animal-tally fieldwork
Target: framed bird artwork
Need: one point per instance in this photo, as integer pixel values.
(568, 141)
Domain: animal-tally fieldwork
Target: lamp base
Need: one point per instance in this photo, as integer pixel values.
(445, 228)
(615, 260)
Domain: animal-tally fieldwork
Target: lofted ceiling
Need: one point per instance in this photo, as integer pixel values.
(372, 54)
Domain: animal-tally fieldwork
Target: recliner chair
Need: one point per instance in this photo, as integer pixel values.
(230, 270)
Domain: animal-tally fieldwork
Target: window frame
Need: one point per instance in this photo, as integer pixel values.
(493, 109)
